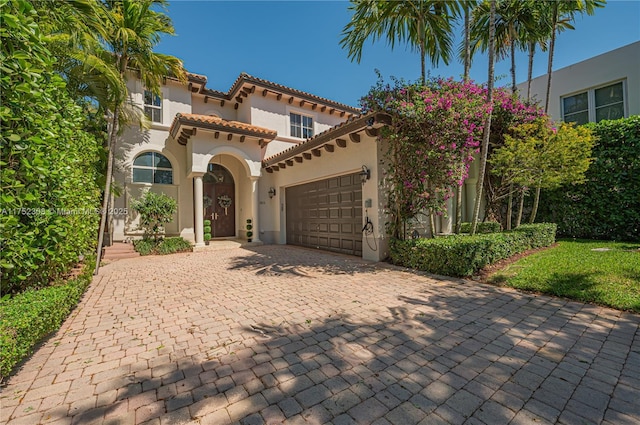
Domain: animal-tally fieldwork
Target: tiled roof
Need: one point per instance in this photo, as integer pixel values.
(196, 78)
(216, 123)
(244, 77)
(353, 124)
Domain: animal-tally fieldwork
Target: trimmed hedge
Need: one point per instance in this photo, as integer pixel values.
(485, 227)
(165, 246)
(463, 255)
(28, 317)
(607, 205)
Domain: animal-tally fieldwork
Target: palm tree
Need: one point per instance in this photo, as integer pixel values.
(133, 29)
(465, 50)
(562, 13)
(426, 25)
(487, 126)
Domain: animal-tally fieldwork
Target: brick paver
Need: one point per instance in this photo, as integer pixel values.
(282, 335)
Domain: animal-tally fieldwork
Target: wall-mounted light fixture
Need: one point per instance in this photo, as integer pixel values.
(272, 192)
(365, 174)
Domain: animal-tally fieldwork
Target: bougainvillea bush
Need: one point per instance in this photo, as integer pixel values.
(436, 128)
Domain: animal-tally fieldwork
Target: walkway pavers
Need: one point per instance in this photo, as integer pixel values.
(273, 334)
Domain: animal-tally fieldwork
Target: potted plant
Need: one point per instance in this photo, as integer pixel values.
(207, 231)
(249, 232)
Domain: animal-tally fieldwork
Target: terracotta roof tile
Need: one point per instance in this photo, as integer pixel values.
(220, 124)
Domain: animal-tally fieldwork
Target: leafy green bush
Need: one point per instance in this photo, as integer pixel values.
(155, 210)
(48, 162)
(485, 227)
(26, 318)
(463, 255)
(607, 205)
(162, 247)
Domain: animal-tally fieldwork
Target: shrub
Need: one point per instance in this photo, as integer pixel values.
(48, 162)
(165, 246)
(155, 210)
(607, 205)
(485, 227)
(26, 318)
(463, 255)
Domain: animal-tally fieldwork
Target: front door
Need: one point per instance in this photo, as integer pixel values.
(220, 203)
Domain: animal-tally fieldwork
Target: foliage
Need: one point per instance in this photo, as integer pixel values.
(607, 205)
(27, 318)
(485, 227)
(424, 25)
(463, 255)
(604, 273)
(155, 210)
(48, 161)
(434, 132)
(163, 247)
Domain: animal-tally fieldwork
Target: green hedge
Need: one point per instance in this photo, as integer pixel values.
(48, 162)
(607, 206)
(486, 227)
(27, 318)
(165, 246)
(463, 255)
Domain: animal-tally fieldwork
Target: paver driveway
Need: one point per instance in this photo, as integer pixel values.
(286, 335)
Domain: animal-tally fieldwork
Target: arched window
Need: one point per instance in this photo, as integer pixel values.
(152, 167)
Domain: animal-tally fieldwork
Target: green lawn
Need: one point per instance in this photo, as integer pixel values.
(577, 269)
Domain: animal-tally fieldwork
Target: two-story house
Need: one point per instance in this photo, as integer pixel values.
(302, 169)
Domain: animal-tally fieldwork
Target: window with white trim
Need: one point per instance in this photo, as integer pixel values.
(152, 106)
(152, 167)
(301, 125)
(601, 103)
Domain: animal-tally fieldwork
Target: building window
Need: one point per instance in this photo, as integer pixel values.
(152, 106)
(301, 126)
(152, 167)
(609, 102)
(602, 103)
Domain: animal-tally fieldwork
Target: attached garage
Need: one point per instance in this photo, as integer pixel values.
(326, 214)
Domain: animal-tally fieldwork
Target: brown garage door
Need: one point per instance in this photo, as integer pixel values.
(326, 214)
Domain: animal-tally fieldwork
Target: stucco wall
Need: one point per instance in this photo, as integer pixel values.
(616, 65)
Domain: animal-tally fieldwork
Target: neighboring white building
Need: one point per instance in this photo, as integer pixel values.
(303, 169)
(606, 86)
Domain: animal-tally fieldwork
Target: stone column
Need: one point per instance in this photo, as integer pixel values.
(198, 210)
(255, 202)
(446, 221)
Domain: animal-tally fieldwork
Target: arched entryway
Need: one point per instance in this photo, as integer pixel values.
(219, 201)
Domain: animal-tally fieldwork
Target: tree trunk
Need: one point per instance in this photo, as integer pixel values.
(423, 67)
(487, 126)
(532, 51)
(536, 201)
(552, 45)
(520, 208)
(432, 223)
(104, 216)
(510, 207)
(513, 67)
(467, 68)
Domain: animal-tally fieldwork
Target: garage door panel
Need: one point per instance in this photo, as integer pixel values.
(326, 214)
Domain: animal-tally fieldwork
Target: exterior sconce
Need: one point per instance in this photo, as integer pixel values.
(365, 174)
(272, 192)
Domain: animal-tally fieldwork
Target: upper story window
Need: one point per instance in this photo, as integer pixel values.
(603, 103)
(152, 106)
(152, 167)
(301, 126)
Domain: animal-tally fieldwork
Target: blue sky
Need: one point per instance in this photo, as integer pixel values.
(296, 43)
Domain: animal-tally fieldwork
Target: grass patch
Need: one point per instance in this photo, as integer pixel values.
(600, 272)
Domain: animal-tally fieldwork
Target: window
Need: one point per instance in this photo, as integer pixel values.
(301, 126)
(152, 167)
(152, 106)
(603, 103)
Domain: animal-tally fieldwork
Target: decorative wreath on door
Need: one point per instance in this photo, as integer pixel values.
(224, 201)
